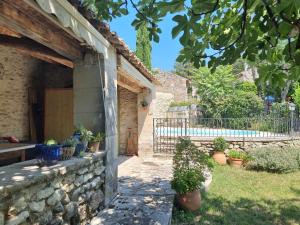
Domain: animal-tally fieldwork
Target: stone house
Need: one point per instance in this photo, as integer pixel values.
(171, 88)
(58, 71)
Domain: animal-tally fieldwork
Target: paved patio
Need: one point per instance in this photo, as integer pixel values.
(145, 196)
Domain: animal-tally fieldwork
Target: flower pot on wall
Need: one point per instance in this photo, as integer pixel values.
(94, 146)
(189, 201)
(219, 157)
(237, 163)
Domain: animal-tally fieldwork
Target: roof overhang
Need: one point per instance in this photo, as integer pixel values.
(127, 69)
(69, 17)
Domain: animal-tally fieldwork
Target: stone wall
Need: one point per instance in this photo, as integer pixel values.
(174, 84)
(162, 104)
(128, 116)
(71, 192)
(208, 146)
(17, 73)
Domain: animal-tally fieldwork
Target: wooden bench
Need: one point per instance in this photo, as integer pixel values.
(14, 150)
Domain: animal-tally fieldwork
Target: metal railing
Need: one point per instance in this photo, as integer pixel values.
(167, 130)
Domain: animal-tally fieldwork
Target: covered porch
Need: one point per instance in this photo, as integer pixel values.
(56, 72)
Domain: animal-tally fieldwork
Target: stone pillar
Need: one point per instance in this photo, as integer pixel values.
(88, 95)
(145, 123)
(98, 112)
(111, 118)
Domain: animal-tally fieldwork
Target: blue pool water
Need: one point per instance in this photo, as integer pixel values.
(171, 131)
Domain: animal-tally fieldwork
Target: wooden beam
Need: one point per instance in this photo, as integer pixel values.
(22, 18)
(128, 84)
(29, 47)
(5, 31)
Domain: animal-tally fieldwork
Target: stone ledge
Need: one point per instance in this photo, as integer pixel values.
(18, 176)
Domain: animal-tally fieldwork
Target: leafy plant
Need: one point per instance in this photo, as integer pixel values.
(174, 104)
(275, 159)
(220, 144)
(238, 155)
(99, 137)
(188, 180)
(144, 103)
(85, 134)
(70, 142)
(188, 166)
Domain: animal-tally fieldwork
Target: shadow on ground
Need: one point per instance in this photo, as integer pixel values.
(218, 210)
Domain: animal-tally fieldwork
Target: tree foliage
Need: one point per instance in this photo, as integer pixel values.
(143, 45)
(223, 95)
(250, 29)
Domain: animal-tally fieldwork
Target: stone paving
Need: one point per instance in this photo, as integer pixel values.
(145, 196)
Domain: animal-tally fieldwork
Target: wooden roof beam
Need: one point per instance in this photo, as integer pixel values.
(26, 20)
(29, 47)
(5, 31)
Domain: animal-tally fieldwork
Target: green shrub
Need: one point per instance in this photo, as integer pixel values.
(185, 181)
(238, 155)
(277, 160)
(220, 144)
(188, 166)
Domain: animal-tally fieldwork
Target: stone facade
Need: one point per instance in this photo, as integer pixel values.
(162, 104)
(174, 84)
(17, 73)
(71, 192)
(128, 116)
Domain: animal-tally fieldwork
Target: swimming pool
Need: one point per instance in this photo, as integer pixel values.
(206, 132)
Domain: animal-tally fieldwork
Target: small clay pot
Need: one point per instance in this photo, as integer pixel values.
(219, 157)
(94, 146)
(237, 163)
(189, 201)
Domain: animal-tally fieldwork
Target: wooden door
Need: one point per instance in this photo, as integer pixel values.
(58, 114)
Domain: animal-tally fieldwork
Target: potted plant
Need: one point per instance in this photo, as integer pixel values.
(144, 104)
(237, 158)
(50, 152)
(95, 141)
(83, 135)
(68, 148)
(188, 173)
(220, 145)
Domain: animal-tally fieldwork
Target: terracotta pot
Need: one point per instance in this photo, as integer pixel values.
(190, 201)
(237, 163)
(219, 157)
(94, 146)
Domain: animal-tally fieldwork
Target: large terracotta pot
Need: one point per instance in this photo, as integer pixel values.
(190, 201)
(237, 163)
(219, 157)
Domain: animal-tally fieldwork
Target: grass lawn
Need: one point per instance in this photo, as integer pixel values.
(240, 197)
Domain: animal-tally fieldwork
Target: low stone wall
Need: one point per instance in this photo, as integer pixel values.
(70, 192)
(208, 146)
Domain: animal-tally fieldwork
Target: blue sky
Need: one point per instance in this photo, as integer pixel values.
(164, 53)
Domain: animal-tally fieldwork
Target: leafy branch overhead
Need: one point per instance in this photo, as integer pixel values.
(229, 28)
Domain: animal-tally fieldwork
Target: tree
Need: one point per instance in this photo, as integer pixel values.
(143, 45)
(223, 95)
(184, 69)
(250, 29)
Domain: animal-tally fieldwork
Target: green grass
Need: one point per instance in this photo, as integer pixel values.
(241, 197)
